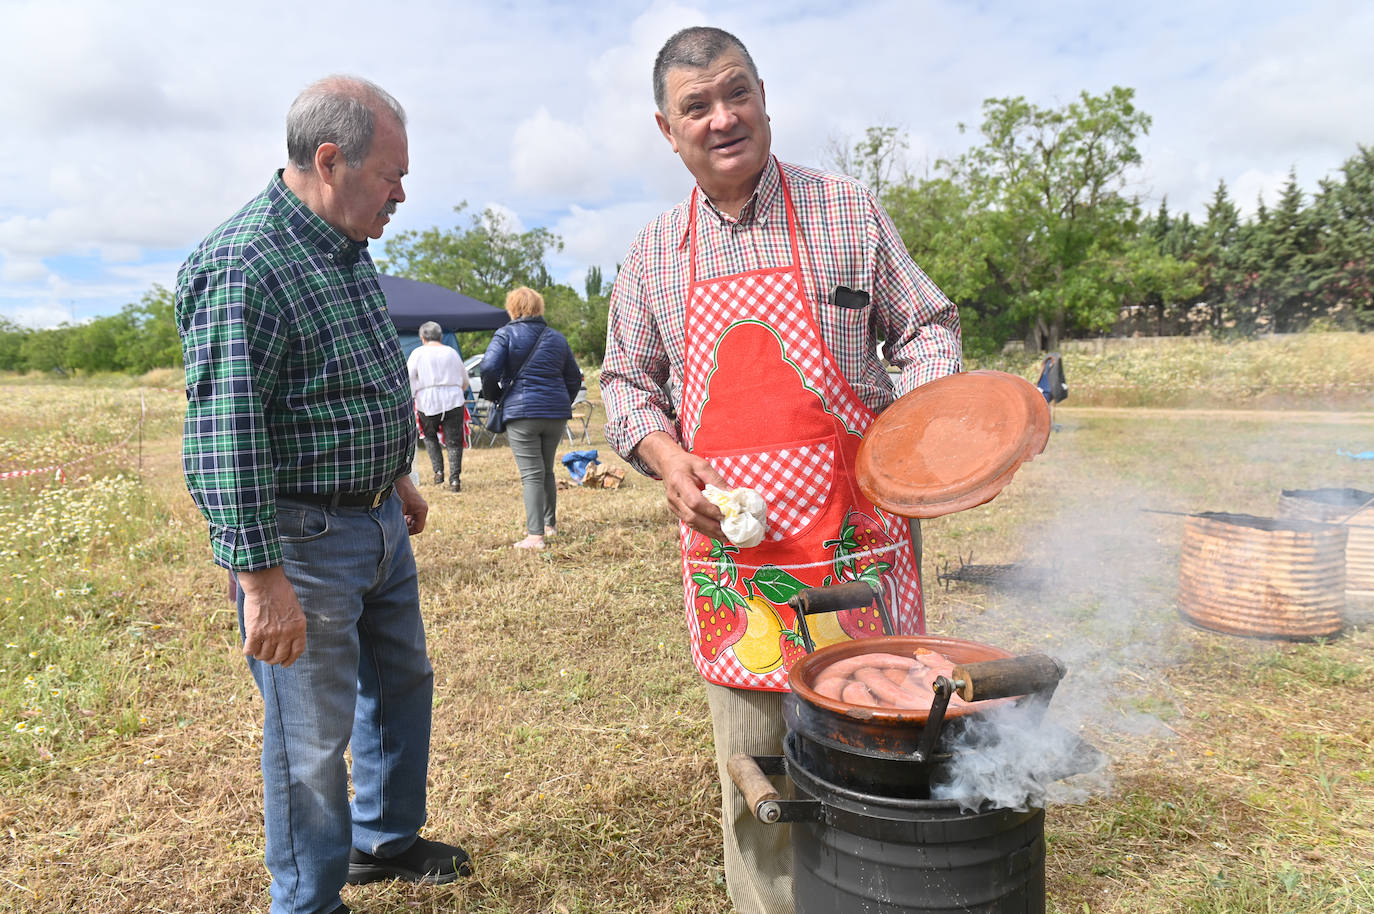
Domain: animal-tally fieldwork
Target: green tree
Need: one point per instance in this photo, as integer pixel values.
(943, 230)
(1159, 271)
(1284, 247)
(1343, 262)
(94, 346)
(1218, 260)
(46, 350)
(484, 260)
(878, 160)
(1052, 181)
(1032, 229)
(1152, 278)
(12, 338)
(141, 337)
(146, 335)
(590, 330)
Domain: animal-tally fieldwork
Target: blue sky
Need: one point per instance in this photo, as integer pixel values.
(133, 128)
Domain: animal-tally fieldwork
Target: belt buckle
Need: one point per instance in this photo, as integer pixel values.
(379, 498)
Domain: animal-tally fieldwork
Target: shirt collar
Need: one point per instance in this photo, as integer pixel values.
(758, 209)
(339, 248)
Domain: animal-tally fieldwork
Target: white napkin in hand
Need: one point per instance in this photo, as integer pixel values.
(745, 514)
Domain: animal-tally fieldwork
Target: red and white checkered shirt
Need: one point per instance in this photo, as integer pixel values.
(846, 240)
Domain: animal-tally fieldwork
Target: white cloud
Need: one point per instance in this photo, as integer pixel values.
(608, 139)
(135, 128)
(510, 219)
(1252, 186)
(554, 157)
(22, 270)
(40, 315)
(600, 237)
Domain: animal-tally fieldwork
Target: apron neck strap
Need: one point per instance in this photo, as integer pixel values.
(787, 208)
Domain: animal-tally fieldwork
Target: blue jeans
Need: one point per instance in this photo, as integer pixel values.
(534, 443)
(364, 677)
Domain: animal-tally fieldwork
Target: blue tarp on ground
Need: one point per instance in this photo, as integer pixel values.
(577, 463)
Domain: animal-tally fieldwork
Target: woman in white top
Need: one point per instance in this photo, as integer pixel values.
(439, 382)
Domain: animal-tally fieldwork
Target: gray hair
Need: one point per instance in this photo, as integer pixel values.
(696, 47)
(340, 110)
(430, 330)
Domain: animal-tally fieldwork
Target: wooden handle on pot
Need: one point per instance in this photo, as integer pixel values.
(1005, 678)
(836, 597)
(754, 785)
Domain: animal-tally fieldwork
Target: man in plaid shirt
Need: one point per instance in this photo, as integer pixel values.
(299, 439)
(741, 352)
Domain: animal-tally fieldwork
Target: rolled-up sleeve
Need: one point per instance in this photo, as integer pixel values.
(231, 347)
(634, 374)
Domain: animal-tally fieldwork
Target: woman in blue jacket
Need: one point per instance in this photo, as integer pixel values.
(529, 368)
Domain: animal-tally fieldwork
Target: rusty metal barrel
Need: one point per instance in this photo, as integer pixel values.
(1262, 577)
(1353, 507)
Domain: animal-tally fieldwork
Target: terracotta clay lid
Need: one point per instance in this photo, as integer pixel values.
(952, 444)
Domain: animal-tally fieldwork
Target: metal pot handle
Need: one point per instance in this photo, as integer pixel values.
(837, 597)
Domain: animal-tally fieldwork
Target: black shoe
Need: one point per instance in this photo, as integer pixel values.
(438, 479)
(429, 862)
(455, 486)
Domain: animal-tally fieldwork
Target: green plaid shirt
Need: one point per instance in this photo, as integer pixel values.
(294, 377)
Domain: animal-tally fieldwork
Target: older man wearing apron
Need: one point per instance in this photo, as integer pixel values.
(741, 352)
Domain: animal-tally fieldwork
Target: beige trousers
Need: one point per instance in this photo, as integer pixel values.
(758, 857)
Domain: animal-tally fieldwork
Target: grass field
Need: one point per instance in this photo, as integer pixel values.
(577, 767)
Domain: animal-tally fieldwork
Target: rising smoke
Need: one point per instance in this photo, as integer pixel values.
(1013, 758)
(1103, 606)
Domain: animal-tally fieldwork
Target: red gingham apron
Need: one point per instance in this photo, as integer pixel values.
(764, 402)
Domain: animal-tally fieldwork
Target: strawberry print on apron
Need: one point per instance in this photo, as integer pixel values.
(764, 402)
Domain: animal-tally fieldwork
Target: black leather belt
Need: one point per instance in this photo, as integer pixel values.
(341, 499)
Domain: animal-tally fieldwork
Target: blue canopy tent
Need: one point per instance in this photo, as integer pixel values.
(411, 302)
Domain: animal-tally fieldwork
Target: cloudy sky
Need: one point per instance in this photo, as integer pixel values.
(132, 128)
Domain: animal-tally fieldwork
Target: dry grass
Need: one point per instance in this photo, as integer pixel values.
(571, 747)
(1303, 371)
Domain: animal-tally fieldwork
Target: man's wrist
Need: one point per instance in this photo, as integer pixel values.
(653, 449)
(260, 580)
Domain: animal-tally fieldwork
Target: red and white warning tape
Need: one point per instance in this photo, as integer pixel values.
(59, 467)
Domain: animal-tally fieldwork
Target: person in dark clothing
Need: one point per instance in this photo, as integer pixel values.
(530, 371)
(1053, 385)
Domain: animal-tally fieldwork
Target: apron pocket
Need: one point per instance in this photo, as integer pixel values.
(796, 482)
